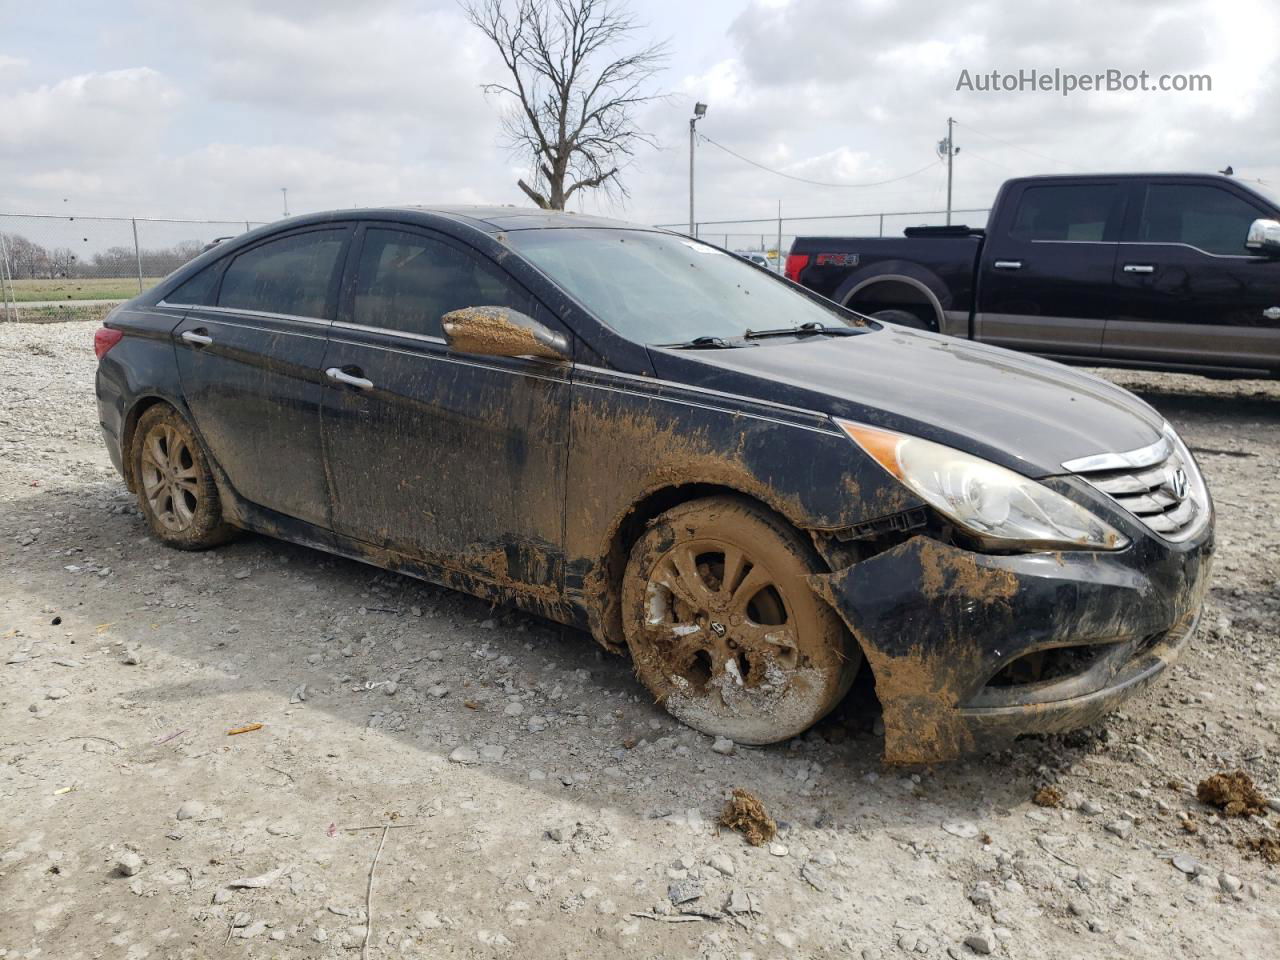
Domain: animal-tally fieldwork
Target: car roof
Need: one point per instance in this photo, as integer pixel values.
(489, 219)
(1131, 174)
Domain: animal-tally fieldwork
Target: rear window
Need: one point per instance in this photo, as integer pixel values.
(196, 291)
(291, 275)
(1076, 212)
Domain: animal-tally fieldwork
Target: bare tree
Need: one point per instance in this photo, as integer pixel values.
(573, 92)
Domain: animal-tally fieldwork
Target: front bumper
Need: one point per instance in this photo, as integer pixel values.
(941, 627)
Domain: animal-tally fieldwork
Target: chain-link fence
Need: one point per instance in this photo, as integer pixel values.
(56, 263)
(770, 236)
(50, 262)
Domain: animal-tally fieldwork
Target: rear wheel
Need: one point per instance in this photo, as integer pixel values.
(724, 630)
(176, 489)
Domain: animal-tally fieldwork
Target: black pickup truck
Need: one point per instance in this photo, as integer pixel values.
(1145, 270)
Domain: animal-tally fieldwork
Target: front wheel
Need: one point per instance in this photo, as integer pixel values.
(724, 629)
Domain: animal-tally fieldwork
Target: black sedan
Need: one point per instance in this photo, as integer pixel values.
(751, 489)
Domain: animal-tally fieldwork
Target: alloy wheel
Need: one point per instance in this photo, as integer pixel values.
(170, 478)
(718, 615)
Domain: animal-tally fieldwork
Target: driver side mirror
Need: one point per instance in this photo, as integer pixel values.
(501, 332)
(1264, 237)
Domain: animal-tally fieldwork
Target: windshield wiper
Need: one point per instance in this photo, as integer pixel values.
(702, 343)
(805, 329)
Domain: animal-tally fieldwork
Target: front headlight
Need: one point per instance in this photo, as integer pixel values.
(988, 501)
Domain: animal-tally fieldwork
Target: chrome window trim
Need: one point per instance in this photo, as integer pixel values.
(1189, 246)
(239, 312)
(406, 334)
(274, 330)
(1092, 243)
(1157, 243)
(1146, 456)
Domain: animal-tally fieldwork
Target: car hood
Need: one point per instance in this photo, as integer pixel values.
(1028, 414)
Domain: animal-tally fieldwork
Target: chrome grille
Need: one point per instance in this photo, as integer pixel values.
(1159, 484)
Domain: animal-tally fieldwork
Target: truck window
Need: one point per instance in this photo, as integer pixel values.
(1202, 216)
(1064, 212)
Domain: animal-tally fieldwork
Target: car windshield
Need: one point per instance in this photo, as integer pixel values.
(657, 288)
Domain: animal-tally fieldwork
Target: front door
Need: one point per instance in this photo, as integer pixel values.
(1192, 292)
(1045, 284)
(455, 460)
(249, 353)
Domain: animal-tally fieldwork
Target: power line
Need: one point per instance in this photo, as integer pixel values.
(977, 156)
(815, 183)
(1015, 146)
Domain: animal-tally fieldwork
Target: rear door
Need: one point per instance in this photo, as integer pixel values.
(249, 357)
(1192, 292)
(452, 459)
(1047, 265)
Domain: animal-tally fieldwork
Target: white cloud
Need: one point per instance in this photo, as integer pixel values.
(380, 102)
(87, 113)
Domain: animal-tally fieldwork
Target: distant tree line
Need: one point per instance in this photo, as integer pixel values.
(27, 259)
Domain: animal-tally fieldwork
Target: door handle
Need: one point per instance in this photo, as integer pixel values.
(1008, 264)
(351, 380)
(1139, 268)
(197, 338)
(1272, 313)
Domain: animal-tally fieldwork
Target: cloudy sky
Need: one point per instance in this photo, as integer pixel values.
(205, 109)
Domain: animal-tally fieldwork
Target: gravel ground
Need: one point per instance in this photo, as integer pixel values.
(540, 806)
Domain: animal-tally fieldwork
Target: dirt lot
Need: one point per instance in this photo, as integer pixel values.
(541, 806)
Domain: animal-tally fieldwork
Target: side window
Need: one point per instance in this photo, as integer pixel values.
(1064, 212)
(407, 282)
(196, 291)
(1210, 218)
(290, 275)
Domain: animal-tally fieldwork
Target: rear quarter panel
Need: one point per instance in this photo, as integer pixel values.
(140, 368)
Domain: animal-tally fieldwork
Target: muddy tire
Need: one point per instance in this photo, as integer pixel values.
(175, 487)
(724, 630)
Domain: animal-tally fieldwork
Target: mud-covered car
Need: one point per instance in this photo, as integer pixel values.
(754, 491)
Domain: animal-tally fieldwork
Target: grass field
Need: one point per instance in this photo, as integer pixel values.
(59, 314)
(122, 288)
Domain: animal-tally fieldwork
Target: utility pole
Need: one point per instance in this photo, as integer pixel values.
(699, 111)
(284, 192)
(948, 149)
(781, 259)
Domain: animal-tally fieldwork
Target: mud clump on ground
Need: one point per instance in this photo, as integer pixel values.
(1048, 796)
(1268, 848)
(746, 814)
(1233, 793)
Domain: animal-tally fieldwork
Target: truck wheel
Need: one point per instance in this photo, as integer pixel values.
(724, 630)
(176, 490)
(903, 318)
